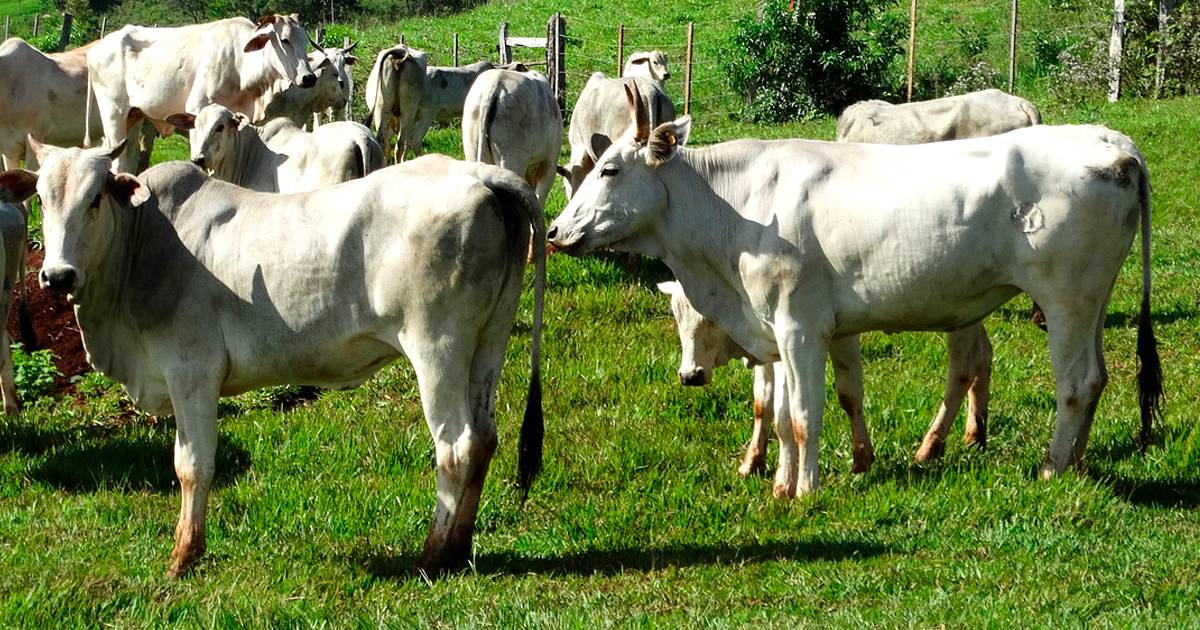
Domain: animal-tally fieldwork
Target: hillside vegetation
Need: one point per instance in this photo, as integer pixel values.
(639, 519)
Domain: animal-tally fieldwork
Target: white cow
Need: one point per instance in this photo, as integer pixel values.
(329, 95)
(12, 275)
(511, 119)
(405, 96)
(157, 72)
(279, 156)
(788, 245)
(649, 65)
(974, 115)
(704, 346)
(324, 288)
(45, 98)
(602, 110)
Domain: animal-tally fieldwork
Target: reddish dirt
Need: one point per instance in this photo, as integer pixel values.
(54, 322)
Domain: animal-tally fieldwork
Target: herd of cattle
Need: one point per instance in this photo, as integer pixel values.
(284, 256)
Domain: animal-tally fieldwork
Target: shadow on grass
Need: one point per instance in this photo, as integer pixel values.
(1160, 493)
(141, 463)
(383, 564)
(1170, 315)
(28, 438)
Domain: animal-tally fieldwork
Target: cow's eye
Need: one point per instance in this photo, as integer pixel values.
(286, 41)
(609, 171)
(219, 129)
(95, 202)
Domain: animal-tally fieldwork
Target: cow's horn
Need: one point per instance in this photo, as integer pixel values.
(349, 48)
(316, 45)
(640, 117)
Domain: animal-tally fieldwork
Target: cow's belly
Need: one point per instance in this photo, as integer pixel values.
(335, 364)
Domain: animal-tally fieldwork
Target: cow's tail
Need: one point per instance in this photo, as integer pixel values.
(1031, 110)
(483, 145)
(87, 113)
(1150, 387)
(28, 334)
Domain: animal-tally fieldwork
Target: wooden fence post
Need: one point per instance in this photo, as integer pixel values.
(912, 46)
(103, 25)
(560, 62)
(620, 50)
(456, 49)
(687, 73)
(1160, 58)
(1012, 48)
(1114, 50)
(7, 25)
(64, 36)
(37, 23)
(502, 47)
(350, 73)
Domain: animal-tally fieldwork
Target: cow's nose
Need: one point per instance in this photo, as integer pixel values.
(694, 378)
(666, 76)
(553, 233)
(308, 80)
(58, 279)
(200, 161)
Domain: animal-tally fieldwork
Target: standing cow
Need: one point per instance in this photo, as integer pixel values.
(788, 245)
(423, 260)
(511, 119)
(405, 96)
(704, 346)
(601, 110)
(12, 275)
(329, 94)
(974, 115)
(155, 72)
(279, 156)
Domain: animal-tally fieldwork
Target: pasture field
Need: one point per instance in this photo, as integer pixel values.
(639, 518)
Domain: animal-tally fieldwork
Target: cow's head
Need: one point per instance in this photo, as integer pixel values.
(652, 65)
(285, 44)
(80, 196)
(333, 75)
(703, 344)
(213, 135)
(624, 194)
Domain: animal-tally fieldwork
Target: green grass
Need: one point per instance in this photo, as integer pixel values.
(639, 518)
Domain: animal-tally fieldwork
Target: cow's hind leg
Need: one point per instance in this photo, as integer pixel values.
(846, 356)
(755, 460)
(979, 392)
(194, 399)
(960, 345)
(803, 357)
(463, 446)
(1080, 375)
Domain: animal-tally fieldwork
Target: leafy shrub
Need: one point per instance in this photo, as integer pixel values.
(980, 76)
(34, 372)
(820, 57)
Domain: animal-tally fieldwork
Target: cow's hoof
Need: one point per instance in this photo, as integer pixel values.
(977, 440)
(781, 491)
(932, 448)
(440, 559)
(864, 458)
(752, 466)
(182, 561)
(1048, 472)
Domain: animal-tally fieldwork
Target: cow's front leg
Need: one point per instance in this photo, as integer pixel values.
(195, 403)
(803, 356)
(755, 461)
(846, 356)
(785, 473)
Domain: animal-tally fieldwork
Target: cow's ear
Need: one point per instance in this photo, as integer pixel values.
(40, 151)
(128, 189)
(666, 139)
(639, 59)
(351, 60)
(265, 20)
(563, 171)
(670, 288)
(241, 120)
(598, 145)
(17, 185)
(258, 42)
(183, 121)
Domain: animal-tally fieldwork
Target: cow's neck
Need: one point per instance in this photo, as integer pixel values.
(705, 241)
(259, 76)
(254, 164)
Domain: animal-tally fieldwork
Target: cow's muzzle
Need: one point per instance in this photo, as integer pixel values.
(572, 246)
(200, 161)
(308, 80)
(60, 279)
(696, 377)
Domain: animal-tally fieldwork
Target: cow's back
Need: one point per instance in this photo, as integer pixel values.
(603, 108)
(46, 96)
(974, 115)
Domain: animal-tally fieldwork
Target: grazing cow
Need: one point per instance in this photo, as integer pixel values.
(323, 288)
(12, 274)
(704, 346)
(790, 244)
(329, 95)
(279, 156)
(649, 65)
(405, 96)
(974, 115)
(601, 109)
(511, 119)
(155, 72)
(45, 97)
